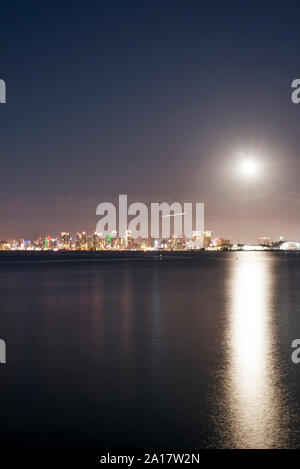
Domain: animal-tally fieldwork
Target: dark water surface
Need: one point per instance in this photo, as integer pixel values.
(176, 353)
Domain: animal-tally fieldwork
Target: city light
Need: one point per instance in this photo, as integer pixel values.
(112, 241)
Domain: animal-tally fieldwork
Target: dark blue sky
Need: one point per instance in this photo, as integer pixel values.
(154, 100)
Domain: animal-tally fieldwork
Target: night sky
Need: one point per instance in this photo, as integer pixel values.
(154, 99)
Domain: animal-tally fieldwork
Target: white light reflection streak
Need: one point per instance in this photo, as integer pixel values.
(253, 404)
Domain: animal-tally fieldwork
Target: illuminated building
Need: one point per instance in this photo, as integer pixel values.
(206, 238)
(65, 241)
(47, 242)
(223, 242)
(84, 243)
(265, 241)
(290, 246)
(197, 240)
(94, 242)
(128, 239)
(163, 244)
(81, 242)
(78, 242)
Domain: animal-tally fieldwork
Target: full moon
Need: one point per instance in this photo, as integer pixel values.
(249, 168)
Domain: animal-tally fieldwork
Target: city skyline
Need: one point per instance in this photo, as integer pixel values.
(84, 241)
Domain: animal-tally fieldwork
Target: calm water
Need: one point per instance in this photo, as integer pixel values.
(169, 353)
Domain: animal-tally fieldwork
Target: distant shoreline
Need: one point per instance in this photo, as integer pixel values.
(65, 256)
